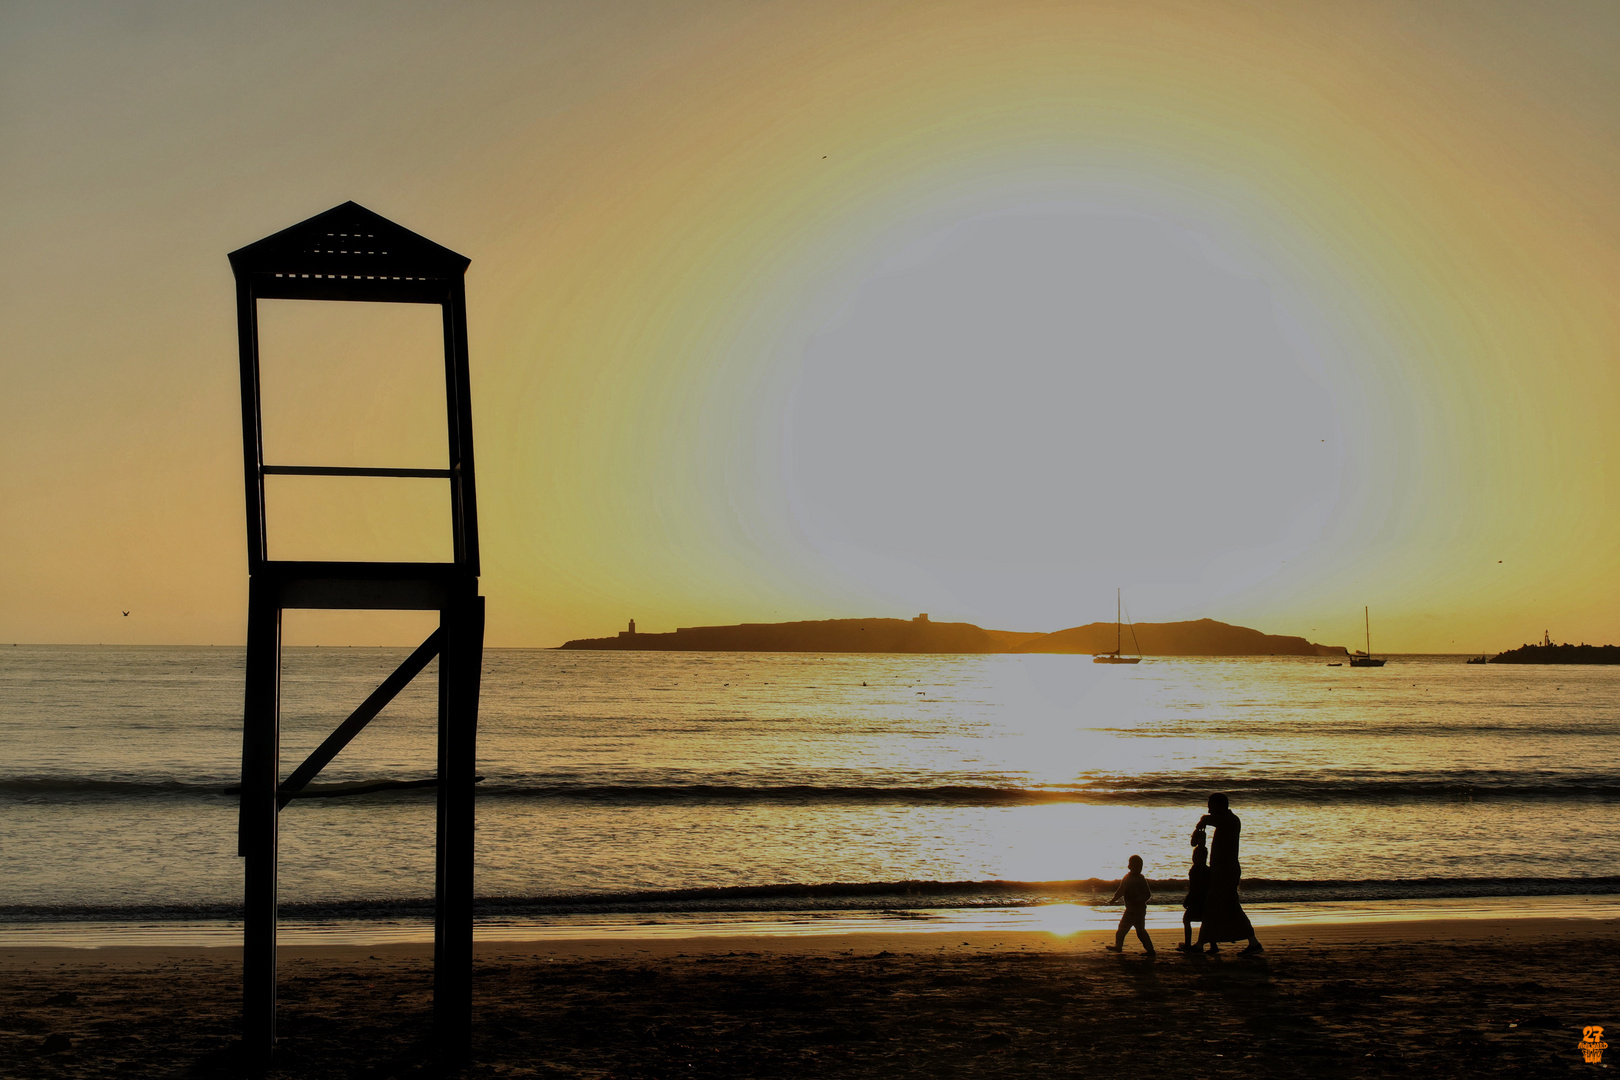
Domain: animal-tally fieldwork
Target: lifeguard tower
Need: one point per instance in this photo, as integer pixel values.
(351, 254)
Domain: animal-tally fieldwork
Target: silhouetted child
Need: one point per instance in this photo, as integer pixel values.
(1133, 887)
(1197, 889)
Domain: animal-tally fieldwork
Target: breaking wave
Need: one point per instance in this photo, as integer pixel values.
(1168, 789)
(894, 896)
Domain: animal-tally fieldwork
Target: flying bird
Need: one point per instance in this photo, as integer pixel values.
(126, 614)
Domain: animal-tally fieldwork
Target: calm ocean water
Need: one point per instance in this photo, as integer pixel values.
(681, 782)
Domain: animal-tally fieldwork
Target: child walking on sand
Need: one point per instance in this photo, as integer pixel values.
(1197, 889)
(1133, 887)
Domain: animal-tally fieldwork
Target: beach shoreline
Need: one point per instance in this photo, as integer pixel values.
(1059, 919)
(1512, 930)
(1442, 996)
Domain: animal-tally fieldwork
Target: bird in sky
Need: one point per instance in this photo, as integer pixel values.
(126, 614)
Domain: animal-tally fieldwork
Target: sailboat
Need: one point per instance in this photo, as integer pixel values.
(1115, 657)
(1366, 659)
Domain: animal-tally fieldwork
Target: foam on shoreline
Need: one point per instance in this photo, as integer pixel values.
(1057, 920)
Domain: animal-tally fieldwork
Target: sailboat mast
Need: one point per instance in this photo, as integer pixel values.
(1367, 625)
(1119, 642)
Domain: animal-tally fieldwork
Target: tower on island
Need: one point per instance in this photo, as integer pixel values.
(630, 632)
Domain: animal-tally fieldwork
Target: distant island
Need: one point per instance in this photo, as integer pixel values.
(1548, 653)
(1203, 637)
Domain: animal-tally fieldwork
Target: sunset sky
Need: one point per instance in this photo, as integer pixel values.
(1259, 311)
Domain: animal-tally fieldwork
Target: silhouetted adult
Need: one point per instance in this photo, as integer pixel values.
(1224, 919)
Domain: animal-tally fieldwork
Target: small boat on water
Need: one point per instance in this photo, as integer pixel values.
(1480, 659)
(1117, 657)
(1366, 659)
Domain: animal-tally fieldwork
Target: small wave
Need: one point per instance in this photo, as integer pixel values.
(1537, 730)
(115, 787)
(1124, 790)
(1178, 788)
(1001, 893)
(829, 896)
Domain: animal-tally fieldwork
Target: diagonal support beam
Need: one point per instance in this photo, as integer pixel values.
(358, 719)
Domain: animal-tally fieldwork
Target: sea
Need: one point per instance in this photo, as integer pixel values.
(655, 792)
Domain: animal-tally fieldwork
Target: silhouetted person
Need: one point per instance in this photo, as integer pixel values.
(1134, 888)
(1224, 919)
(1197, 890)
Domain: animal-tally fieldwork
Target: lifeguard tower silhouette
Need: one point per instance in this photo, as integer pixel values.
(350, 253)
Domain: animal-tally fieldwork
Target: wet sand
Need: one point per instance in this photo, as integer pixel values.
(1445, 998)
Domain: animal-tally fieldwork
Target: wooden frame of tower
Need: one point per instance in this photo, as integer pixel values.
(352, 254)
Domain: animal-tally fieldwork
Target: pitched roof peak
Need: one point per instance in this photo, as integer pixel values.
(348, 252)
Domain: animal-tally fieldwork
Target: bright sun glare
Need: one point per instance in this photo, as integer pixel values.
(1101, 392)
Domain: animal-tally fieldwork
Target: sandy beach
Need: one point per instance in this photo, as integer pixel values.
(1447, 998)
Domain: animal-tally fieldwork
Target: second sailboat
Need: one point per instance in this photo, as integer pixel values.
(1366, 659)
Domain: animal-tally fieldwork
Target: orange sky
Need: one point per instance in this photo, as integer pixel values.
(1258, 311)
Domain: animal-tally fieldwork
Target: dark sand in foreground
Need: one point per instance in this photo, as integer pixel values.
(1393, 999)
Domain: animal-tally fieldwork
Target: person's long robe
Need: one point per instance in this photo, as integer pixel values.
(1224, 919)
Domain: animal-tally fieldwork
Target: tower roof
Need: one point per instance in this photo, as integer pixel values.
(348, 253)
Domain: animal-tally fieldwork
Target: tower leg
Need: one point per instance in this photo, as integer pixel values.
(460, 666)
(256, 837)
